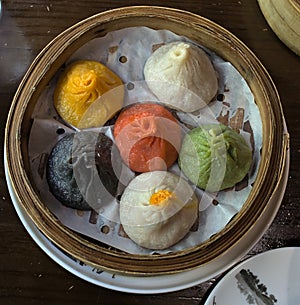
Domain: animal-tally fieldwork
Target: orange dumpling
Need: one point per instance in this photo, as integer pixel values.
(88, 94)
(148, 137)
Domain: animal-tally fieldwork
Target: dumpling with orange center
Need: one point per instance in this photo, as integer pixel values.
(158, 209)
(88, 94)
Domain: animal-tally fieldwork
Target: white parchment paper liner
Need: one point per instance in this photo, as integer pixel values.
(125, 52)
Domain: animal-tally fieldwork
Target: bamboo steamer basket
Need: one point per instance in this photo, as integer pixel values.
(196, 28)
(283, 16)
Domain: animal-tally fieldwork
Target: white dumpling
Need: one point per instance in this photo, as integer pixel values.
(157, 209)
(182, 76)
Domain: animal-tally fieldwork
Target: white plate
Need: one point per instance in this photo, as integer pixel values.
(270, 278)
(155, 284)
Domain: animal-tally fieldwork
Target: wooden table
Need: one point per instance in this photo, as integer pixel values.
(28, 275)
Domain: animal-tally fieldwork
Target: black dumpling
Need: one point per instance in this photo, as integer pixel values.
(80, 171)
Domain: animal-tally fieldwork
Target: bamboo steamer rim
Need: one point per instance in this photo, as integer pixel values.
(197, 28)
(284, 19)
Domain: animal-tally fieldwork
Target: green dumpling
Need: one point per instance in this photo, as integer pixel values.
(214, 157)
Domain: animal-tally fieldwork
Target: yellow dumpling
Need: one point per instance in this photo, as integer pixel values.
(88, 94)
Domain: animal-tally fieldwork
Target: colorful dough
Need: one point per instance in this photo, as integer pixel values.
(88, 94)
(214, 157)
(80, 170)
(148, 137)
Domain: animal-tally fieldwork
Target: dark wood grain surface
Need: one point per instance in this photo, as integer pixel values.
(27, 275)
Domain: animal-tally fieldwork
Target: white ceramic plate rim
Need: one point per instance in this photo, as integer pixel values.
(222, 284)
(161, 283)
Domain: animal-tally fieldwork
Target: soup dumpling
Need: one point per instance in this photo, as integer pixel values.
(148, 137)
(157, 209)
(88, 94)
(182, 76)
(215, 157)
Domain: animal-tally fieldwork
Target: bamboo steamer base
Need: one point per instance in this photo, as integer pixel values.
(202, 31)
(283, 16)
